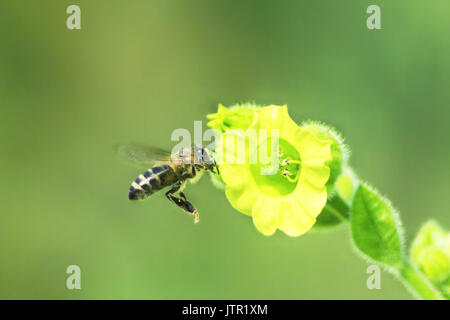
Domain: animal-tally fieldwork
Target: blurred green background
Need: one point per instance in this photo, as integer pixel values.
(137, 70)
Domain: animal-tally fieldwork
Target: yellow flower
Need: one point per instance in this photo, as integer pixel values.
(292, 197)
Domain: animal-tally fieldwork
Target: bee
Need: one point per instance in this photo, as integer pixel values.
(168, 170)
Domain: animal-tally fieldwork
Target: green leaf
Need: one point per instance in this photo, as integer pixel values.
(376, 228)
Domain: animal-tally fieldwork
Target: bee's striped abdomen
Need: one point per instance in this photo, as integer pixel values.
(152, 180)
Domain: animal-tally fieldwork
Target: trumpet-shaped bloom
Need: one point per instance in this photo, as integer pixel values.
(286, 195)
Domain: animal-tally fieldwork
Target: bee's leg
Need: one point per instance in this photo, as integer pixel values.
(217, 168)
(199, 166)
(180, 200)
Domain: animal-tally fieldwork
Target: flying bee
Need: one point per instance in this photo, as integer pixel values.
(168, 170)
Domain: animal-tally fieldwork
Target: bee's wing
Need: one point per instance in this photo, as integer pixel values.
(143, 156)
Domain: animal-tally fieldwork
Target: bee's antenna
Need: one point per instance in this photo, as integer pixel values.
(217, 167)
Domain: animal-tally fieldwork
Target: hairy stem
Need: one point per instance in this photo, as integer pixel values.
(416, 282)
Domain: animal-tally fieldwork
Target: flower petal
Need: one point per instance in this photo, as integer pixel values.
(243, 198)
(315, 175)
(312, 198)
(234, 175)
(271, 116)
(265, 214)
(277, 117)
(234, 147)
(294, 219)
(313, 150)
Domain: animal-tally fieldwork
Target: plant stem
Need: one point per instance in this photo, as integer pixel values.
(415, 281)
(341, 207)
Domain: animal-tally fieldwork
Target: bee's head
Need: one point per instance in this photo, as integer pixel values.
(208, 160)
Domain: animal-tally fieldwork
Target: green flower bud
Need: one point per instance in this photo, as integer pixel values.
(430, 253)
(239, 116)
(339, 151)
(346, 184)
